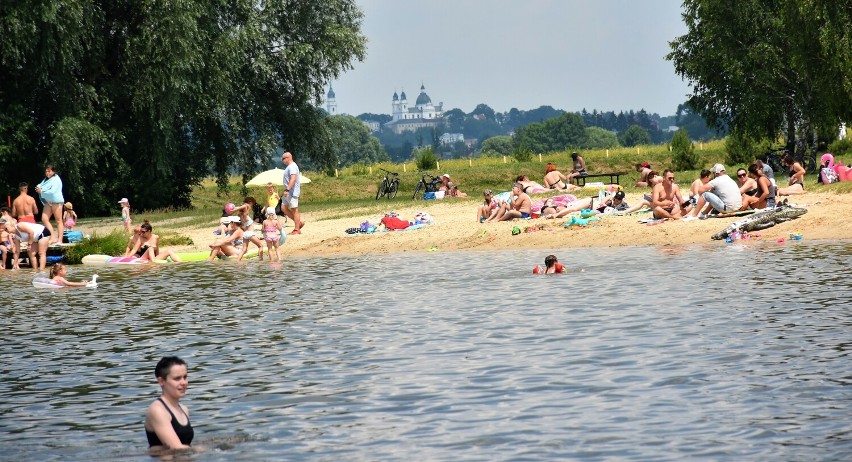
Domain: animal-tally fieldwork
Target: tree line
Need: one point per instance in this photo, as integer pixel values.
(139, 99)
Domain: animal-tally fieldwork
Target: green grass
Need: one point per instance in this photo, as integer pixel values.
(113, 243)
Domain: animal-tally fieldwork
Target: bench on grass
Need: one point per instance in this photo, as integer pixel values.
(613, 177)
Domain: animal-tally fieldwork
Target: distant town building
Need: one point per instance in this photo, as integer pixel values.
(372, 125)
(672, 128)
(330, 101)
(450, 138)
(424, 114)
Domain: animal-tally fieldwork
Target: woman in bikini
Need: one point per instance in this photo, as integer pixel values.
(554, 179)
(796, 184)
(148, 246)
(167, 424)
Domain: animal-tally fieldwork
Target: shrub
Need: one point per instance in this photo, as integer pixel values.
(743, 150)
(497, 146)
(634, 136)
(359, 169)
(683, 152)
(840, 147)
(522, 154)
(425, 159)
(600, 138)
(113, 243)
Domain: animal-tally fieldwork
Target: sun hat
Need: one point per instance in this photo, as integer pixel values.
(225, 220)
(69, 206)
(234, 219)
(270, 210)
(446, 175)
(718, 168)
(123, 200)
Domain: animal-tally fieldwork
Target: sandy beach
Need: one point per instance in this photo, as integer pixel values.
(455, 229)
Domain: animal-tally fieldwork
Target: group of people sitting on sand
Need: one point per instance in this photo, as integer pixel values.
(712, 193)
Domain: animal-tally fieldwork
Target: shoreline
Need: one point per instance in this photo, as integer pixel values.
(455, 229)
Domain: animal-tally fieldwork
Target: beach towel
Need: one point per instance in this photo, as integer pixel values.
(561, 200)
(394, 223)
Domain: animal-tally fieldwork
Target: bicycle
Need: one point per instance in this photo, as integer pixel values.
(804, 156)
(389, 186)
(428, 183)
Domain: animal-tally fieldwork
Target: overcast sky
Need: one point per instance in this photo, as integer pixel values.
(569, 54)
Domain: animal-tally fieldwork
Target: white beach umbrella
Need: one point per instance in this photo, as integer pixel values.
(274, 176)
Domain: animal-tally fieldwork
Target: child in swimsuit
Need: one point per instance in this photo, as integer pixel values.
(70, 217)
(57, 274)
(5, 245)
(125, 214)
(271, 233)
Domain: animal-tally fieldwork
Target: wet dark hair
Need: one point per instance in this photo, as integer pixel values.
(704, 174)
(23, 185)
(5, 209)
(165, 365)
(146, 226)
(250, 200)
(549, 260)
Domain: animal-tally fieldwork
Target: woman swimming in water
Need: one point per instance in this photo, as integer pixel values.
(167, 422)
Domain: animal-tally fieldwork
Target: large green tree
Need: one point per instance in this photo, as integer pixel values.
(767, 66)
(352, 142)
(143, 99)
(556, 134)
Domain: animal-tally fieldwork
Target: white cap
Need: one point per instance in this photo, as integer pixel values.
(446, 175)
(123, 200)
(270, 210)
(225, 220)
(234, 219)
(718, 168)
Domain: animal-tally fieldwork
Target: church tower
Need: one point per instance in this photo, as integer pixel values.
(330, 102)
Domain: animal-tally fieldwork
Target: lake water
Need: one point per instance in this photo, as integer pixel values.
(717, 352)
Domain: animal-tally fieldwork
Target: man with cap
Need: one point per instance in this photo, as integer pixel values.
(721, 193)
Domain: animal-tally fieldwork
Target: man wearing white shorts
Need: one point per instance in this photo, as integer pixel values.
(292, 191)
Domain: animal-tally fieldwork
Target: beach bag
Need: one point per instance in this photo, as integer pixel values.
(828, 175)
(72, 236)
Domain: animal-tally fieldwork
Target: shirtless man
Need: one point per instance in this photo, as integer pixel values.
(24, 207)
(666, 200)
(518, 207)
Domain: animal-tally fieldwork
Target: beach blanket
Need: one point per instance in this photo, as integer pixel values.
(561, 200)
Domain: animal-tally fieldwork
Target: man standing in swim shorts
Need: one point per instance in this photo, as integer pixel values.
(292, 191)
(24, 207)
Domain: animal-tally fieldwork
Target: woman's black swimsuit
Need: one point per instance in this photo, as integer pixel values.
(142, 251)
(183, 432)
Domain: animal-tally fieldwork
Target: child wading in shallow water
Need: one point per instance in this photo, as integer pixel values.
(272, 233)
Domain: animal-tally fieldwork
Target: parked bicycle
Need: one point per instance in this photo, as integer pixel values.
(426, 184)
(389, 186)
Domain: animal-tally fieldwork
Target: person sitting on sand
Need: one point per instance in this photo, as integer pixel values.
(666, 201)
(644, 169)
(554, 179)
(721, 194)
(765, 191)
(147, 247)
(748, 186)
(450, 189)
(519, 205)
(245, 211)
(230, 244)
(796, 183)
(489, 206)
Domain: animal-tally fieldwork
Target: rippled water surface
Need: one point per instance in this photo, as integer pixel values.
(719, 352)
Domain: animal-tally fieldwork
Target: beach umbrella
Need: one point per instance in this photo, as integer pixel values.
(274, 176)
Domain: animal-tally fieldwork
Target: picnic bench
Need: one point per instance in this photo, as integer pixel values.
(613, 177)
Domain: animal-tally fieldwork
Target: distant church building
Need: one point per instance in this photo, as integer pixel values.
(330, 102)
(424, 114)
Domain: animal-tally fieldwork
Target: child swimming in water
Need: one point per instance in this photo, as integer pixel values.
(271, 233)
(58, 272)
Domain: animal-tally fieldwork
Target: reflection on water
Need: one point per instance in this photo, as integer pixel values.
(719, 352)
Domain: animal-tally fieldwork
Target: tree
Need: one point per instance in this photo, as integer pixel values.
(497, 146)
(352, 142)
(599, 138)
(143, 99)
(683, 152)
(634, 136)
(483, 110)
(556, 134)
(455, 120)
(760, 66)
